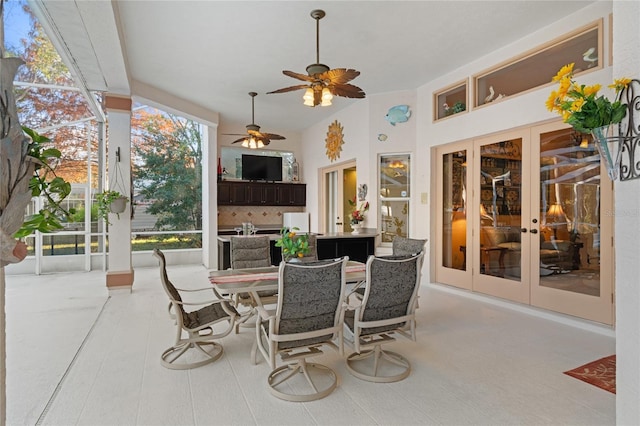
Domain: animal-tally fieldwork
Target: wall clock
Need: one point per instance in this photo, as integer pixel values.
(334, 141)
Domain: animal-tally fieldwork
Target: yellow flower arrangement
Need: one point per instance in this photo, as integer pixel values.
(580, 106)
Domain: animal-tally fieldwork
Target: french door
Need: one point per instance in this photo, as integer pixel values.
(519, 216)
(338, 186)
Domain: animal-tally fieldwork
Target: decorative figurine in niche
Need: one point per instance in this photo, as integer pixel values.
(587, 56)
(398, 114)
(492, 93)
(362, 192)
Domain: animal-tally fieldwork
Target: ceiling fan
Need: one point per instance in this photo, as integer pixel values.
(254, 137)
(323, 83)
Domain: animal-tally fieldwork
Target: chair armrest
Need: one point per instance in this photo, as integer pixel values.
(195, 289)
(265, 314)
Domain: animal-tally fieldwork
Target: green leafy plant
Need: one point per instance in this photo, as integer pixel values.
(292, 244)
(580, 106)
(456, 108)
(104, 200)
(54, 190)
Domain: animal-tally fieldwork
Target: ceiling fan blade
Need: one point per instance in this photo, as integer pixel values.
(289, 89)
(240, 140)
(339, 75)
(273, 136)
(347, 91)
(303, 77)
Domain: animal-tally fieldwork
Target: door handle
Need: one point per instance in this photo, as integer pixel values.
(534, 231)
(523, 230)
(338, 223)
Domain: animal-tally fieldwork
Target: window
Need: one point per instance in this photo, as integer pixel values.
(394, 196)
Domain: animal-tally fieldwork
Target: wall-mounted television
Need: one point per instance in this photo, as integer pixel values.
(259, 167)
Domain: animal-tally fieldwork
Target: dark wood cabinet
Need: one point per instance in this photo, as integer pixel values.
(262, 194)
(230, 193)
(240, 193)
(357, 248)
(292, 195)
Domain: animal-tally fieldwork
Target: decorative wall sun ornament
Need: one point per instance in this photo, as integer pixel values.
(334, 141)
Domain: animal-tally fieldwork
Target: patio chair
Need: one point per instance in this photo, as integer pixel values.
(388, 307)
(309, 315)
(402, 246)
(198, 324)
(251, 252)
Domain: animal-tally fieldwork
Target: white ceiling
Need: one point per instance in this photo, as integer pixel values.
(212, 53)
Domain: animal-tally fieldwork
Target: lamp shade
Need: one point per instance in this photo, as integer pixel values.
(308, 97)
(555, 214)
(326, 97)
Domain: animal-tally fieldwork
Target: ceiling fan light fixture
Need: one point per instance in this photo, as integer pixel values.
(252, 144)
(245, 143)
(327, 96)
(260, 144)
(308, 97)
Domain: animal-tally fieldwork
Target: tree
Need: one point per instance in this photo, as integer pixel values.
(44, 107)
(168, 168)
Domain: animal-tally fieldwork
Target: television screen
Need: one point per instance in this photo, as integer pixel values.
(259, 167)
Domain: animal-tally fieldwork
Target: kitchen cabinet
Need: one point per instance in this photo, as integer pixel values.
(242, 193)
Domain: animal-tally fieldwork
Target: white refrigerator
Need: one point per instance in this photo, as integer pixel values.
(296, 220)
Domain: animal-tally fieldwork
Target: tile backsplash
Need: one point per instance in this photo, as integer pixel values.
(229, 216)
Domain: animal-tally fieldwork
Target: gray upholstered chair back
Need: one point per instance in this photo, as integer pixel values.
(310, 299)
(403, 246)
(250, 252)
(391, 292)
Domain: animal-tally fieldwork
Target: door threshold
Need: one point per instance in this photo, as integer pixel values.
(595, 327)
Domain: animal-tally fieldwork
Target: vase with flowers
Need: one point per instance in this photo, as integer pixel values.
(582, 108)
(357, 214)
(294, 246)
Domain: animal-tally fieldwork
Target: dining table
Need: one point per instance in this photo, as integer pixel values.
(253, 280)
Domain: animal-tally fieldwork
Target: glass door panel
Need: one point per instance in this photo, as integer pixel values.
(500, 244)
(453, 236)
(571, 197)
(500, 209)
(454, 194)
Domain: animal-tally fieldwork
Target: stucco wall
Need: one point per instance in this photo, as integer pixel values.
(626, 54)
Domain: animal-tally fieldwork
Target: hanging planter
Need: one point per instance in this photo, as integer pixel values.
(111, 200)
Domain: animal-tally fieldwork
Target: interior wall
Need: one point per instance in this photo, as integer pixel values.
(512, 112)
(354, 121)
(626, 51)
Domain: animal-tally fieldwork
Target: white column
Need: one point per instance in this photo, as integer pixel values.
(210, 197)
(120, 270)
(626, 56)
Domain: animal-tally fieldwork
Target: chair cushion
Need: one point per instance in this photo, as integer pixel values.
(206, 315)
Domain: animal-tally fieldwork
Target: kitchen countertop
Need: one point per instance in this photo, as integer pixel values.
(364, 233)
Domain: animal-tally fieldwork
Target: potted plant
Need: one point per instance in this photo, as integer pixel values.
(110, 201)
(357, 215)
(293, 246)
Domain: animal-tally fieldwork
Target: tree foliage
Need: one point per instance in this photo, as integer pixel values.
(168, 169)
(43, 108)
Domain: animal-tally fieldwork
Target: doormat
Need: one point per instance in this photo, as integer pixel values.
(600, 373)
